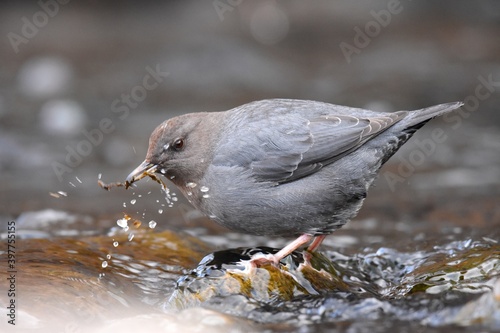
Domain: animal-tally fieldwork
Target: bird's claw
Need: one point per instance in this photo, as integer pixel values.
(261, 259)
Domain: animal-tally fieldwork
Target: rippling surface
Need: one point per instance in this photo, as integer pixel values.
(422, 255)
(158, 278)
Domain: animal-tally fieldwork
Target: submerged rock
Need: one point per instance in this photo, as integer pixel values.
(62, 285)
(230, 273)
(461, 266)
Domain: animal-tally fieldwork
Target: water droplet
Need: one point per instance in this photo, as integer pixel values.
(163, 171)
(189, 193)
(115, 243)
(122, 223)
(124, 204)
(191, 185)
(108, 256)
(204, 189)
(175, 198)
(104, 264)
(212, 216)
(149, 192)
(139, 195)
(72, 184)
(206, 196)
(172, 177)
(64, 194)
(160, 211)
(152, 224)
(99, 176)
(78, 179)
(130, 237)
(133, 201)
(166, 146)
(126, 229)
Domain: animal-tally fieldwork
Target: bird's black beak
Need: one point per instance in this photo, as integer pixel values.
(145, 169)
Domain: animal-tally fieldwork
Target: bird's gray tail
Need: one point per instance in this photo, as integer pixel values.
(414, 120)
(418, 118)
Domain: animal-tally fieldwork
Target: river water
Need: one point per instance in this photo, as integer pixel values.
(80, 94)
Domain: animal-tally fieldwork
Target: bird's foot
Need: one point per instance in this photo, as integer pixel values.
(261, 259)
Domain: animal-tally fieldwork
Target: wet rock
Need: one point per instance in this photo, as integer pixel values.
(229, 273)
(62, 284)
(76, 294)
(485, 309)
(461, 266)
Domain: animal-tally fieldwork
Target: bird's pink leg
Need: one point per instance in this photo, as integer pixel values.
(316, 243)
(312, 247)
(275, 258)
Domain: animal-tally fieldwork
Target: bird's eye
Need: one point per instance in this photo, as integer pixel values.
(178, 144)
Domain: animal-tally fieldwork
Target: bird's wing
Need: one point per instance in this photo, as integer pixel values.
(281, 149)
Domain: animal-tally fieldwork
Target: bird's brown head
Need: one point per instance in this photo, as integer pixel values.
(179, 149)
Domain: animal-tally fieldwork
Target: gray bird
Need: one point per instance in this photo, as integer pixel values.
(280, 167)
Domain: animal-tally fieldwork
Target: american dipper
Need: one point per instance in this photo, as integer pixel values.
(280, 167)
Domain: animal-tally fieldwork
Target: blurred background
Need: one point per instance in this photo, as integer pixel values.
(82, 85)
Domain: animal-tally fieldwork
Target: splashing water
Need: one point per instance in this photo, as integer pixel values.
(123, 223)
